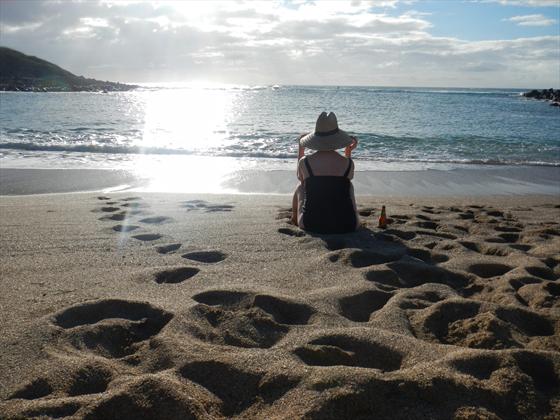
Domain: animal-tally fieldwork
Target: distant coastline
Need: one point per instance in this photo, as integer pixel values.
(25, 73)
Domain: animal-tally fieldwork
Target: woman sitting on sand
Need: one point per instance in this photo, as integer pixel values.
(324, 201)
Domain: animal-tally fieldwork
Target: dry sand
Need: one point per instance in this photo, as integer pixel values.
(166, 306)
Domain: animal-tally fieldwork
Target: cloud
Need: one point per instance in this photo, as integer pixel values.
(250, 42)
(526, 3)
(531, 20)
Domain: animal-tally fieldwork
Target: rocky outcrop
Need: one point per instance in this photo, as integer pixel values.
(20, 72)
(552, 95)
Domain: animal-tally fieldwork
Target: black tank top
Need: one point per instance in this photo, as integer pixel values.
(327, 203)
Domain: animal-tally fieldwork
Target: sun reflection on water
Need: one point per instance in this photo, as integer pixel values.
(189, 120)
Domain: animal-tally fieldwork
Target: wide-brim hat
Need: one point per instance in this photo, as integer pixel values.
(327, 135)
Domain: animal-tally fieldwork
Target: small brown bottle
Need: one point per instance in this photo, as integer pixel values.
(383, 218)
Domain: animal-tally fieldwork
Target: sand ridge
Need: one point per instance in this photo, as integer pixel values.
(453, 311)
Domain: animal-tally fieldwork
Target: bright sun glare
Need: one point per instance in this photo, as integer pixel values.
(189, 121)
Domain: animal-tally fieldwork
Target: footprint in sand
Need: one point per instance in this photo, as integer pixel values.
(167, 249)
(236, 388)
(125, 228)
(521, 247)
(359, 307)
(422, 217)
(420, 299)
(146, 237)
(109, 209)
(461, 228)
(91, 377)
(156, 220)
(292, 232)
(401, 234)
(336, 244)
(399, 219)
(195, 202)
(176, 275)
(518, 283)
(485, 249)
(541, 272)
(412, 272)
(209, 257)
(468, 323)
(135, 213)
(206, 207)
(488, 270)
(495, 213)
(135, 205)
(430, 210)
(366, 212)
(343, 350)
(540, 368)
(111, 328)
(118, 217)
(244, 319)
(551, 262)
(218, 207)
(284, 213)
(427, 256)
(508, 229)
(384, 279)
(536, 293)
(436, 234)
(510, 237)
(425, 225)
(480, 366)
(359, 258)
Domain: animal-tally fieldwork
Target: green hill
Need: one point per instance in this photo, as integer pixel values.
(20, 72)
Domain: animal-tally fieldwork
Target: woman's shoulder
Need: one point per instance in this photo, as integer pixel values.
(330, 155)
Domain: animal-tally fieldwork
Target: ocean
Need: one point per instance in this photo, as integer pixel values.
(397, 128)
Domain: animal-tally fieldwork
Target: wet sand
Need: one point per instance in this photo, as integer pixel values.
(173, 306)
(16, 181)
(468, 180)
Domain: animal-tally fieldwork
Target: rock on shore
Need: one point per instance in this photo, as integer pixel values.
(545, 95)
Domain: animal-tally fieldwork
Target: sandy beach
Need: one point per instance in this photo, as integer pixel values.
(174, 306)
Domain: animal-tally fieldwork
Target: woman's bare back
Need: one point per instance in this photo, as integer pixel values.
(328, 163)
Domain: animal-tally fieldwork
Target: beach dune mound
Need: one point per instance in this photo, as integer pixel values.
(110, 328)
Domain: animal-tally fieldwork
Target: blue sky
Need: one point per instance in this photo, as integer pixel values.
(470, 43)
(485, 21)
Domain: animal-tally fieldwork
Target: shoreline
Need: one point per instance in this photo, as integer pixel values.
(502, 180)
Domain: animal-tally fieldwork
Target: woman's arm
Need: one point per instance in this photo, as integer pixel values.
(350, 147)
(301, 149)
(301, 153)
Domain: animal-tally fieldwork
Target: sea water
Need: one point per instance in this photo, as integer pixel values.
(397, 128)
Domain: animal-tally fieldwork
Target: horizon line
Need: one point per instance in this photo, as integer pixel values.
(221, 84)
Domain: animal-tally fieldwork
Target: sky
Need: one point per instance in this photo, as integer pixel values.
(440, 43)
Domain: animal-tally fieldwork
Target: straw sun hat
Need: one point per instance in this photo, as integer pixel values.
(327, 135)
